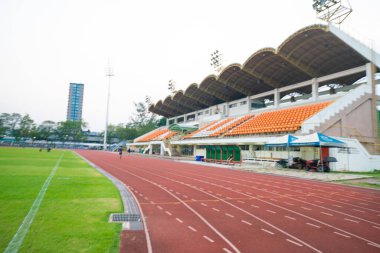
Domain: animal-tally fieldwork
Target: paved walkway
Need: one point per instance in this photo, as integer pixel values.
(286, 172)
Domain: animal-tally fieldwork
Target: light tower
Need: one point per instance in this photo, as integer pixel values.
(217, 60)
(109, 73)
(332, 11)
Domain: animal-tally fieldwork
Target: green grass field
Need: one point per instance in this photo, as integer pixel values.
(73, 216)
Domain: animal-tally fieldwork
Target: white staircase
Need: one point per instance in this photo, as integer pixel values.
(336, 107)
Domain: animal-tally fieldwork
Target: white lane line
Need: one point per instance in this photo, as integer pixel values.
(269, 232)
(218, 194)
(275, 200)
(337, 206)
(296, 243)
(241, 201)
(317, 201)
(146, 198)
(248, 193)
(194, 200)
(208, 238)
(363, 203)
(373, 244)
(178, 193)
(141, 194)
(203, 204)
(270, 211)
(292, 218)
(229, 215)
(215, 209)
(290, 204)
(376, 227)
(227, 250)
(306, 208)
(179, 220)
(185, 196)
(355, 221)
(358, 210)
(152, 202)
(246, 222)
(192, 229)
(159, 207)
(347, 236)
(168, 213)
(16, 242)
(329, 214)
(255, 206)
(313, 225)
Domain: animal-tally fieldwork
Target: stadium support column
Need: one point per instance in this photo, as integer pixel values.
(248, 104)
(314, 89)
(276, 98)
(370, 73)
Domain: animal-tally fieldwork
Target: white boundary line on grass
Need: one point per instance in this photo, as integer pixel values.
(16, 242)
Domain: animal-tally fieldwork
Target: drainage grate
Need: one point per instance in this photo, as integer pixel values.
(124, 217)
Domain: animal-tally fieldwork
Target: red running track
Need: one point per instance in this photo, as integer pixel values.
(196, 208)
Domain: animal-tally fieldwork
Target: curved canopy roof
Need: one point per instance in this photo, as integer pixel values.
(313, 51)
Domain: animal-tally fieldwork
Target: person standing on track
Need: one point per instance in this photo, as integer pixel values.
(120, 149)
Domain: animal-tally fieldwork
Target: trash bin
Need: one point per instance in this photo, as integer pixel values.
(199, 158)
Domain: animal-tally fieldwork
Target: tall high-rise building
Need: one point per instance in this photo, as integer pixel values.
(74, 107)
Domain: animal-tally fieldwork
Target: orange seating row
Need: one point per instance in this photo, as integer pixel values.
(153, 135)
(200, 129)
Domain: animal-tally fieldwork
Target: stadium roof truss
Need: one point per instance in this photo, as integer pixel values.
(312, 52)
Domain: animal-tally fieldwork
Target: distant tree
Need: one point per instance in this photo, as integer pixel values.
(142, 116)
(46, 130)
(9, 122)
(70, 130)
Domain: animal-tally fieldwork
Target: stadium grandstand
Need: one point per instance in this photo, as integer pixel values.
(320, 79)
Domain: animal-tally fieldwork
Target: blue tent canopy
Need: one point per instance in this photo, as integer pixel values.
(283, 141)
(317, 140)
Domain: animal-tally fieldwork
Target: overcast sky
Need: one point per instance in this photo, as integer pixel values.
(46, 44)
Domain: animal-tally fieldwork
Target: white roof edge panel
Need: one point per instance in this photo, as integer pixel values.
(358, 46)
(235, 141)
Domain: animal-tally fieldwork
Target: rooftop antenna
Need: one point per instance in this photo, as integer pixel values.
(332, 11)
(171, 86)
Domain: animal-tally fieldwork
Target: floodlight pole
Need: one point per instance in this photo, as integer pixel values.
(109, 73)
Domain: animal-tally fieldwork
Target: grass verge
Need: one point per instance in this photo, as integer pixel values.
(73, 216)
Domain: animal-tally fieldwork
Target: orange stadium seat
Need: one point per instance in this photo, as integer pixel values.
(285, 120)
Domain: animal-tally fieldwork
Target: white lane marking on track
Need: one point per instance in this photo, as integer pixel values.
(152, 202)
(306, 208)
(337, 206)
(192, 229)
(373, 244)
(270, 211)
(352, 220)
(208, 238)
(329, 214)
(203, 204)
(185, 196)
(317, 201)
(290, 204)
(358, 210)
(376, 227)
(229, 215)
(159, 207)
(255, 206)
(168, 213)
(227, 250)
(363, 203)
(241, 201)
(347, 236)
(267, 231)
(246, 222)
(248, 193)
(292, 218)
(313, 225)
(146, 198)
(177, 193)
(215, 209)
(218, 194)
(141, 194)
(179, 220)
(193, 199)
(296, 243)
(275, 200)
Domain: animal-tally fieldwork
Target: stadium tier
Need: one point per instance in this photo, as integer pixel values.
(319, 79)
